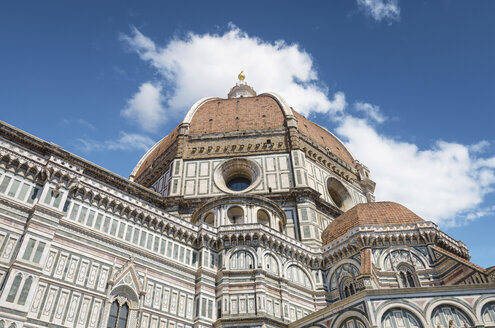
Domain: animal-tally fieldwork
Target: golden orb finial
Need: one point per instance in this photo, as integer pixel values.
(241, 76)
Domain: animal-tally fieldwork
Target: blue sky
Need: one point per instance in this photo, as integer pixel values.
(408, 85)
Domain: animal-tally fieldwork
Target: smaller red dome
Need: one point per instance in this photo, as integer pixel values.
(375, 214)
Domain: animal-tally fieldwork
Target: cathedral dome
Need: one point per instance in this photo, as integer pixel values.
(244, 113)
(369, 214)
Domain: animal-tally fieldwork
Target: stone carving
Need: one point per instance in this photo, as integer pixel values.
(402, 256)
(61, 305)
(8, 249)
(37, 299)
(49, 302)
(72, 308)
(49, 262)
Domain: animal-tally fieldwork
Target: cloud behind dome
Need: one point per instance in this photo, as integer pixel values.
(445, 183)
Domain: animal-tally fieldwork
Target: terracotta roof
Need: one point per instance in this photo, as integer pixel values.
(377, 214)
(242, 114)
(157, 150)
(323, 137)
(237, 114)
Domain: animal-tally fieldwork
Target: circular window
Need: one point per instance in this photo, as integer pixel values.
(238, 183)
(339, 194)
(237, 175)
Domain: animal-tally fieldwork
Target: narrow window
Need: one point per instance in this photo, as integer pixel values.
(118, 315)
(403, 279)
(121, 230)
(113, 232)
(34, 195)
(114, 312)
(25, 291)
(82, 215)
(135, 237)
(203, 307)
(210, 309)
(90, 218)
(124, 311)
(128, 233)
(143, 238)
(14, 288)
(39, 252)
(346, 291)
(106, 224)
(29, 250)
(5, 183)
(24, 191)
(98, 221)
(410, 280)
(14, 187)
(58, 198)
(74, 211)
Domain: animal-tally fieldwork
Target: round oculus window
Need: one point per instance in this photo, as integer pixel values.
(238, 183)
(339, 194)
(237, 175)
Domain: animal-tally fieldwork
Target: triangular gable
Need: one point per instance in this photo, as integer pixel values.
(128, 275)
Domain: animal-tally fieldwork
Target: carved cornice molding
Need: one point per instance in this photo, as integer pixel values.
(325, 157)
(54, 154)
(422, 233)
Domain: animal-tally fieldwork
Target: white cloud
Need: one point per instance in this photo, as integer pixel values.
(145, 107)
(445, 183)
(126, 142)
(198, 66)
(442, 184)
(479, 147)
(379, 10)
(72, 121)
(371, 111)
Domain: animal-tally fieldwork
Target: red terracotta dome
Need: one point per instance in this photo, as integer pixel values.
(376, 214)
(263, 112)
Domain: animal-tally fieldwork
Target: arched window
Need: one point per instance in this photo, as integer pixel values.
(235, 215)
(488, 313)
(14, 288)
(446, 315)
(397, 317)
(347, 287)
(210, 219)
(271, 264)
(241, 260)
(118, 315)
(2, 324)
(123, 314)
(298, 276)
(25, 291)
(407, 276)
(263, 218)
(352, 323)
(344, 275)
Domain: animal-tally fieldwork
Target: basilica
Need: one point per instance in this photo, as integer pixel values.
(247, 214)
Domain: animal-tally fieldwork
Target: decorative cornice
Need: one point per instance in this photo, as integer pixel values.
(386, 235)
